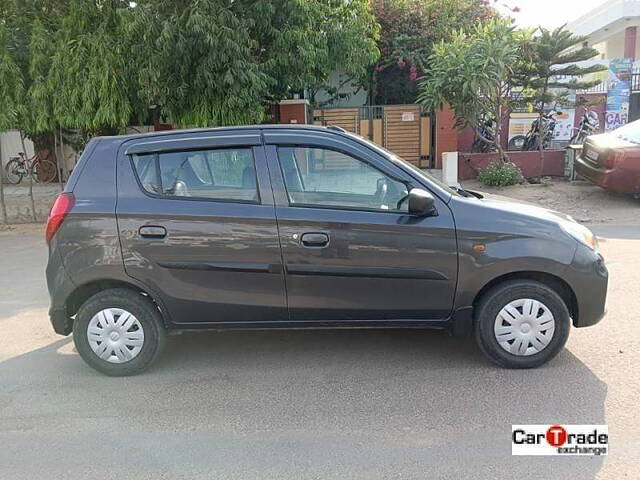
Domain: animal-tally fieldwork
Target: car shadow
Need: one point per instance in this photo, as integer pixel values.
(417, 402)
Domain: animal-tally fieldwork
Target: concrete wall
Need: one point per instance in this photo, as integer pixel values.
(10, 145)
(446, 134)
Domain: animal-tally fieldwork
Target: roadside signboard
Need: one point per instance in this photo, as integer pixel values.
(618, 92)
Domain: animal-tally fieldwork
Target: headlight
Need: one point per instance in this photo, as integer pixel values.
(581, 233)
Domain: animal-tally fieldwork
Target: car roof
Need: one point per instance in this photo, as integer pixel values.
(318, 128)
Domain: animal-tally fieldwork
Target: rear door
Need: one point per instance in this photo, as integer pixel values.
(351, 250)
(197, 226)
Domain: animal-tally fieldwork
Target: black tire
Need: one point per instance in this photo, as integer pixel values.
(44, 171)
(499, 296)
(146, 312)
(516, 143)
(11, 167)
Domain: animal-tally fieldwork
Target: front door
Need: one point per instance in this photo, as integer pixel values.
(351, 250)
(198, 227)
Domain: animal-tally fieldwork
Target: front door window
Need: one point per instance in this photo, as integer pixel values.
(319, 177)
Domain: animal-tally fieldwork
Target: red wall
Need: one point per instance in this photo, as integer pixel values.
(529, 162)
(293, 113)
(446, 134)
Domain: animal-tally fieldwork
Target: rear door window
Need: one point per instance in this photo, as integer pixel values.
(220, 174)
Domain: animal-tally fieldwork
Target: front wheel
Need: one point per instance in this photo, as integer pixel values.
(14, 171)
(521, 324)
(516, 142)
(119, 332)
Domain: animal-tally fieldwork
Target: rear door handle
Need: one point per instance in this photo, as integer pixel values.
(314, 239)
(152, 231)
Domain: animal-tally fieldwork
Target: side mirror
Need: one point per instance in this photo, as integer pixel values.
(421, 203)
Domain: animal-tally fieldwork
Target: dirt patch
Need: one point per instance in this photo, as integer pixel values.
(584, 201)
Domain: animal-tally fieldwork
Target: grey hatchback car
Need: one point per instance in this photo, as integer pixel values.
(301, 226)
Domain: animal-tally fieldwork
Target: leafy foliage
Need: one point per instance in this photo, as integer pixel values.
(409, 31)
(473, 74)
(553, 55)
(500, 174)
(11, 85)
(97, 65)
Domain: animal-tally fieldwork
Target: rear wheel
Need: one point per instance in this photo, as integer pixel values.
(521, 324)
(44, 171)
(119, 332)
(14, 171)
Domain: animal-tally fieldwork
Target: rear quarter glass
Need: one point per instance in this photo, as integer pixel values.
(82, 161)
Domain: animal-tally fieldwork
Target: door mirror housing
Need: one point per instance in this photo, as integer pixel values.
(421, 203)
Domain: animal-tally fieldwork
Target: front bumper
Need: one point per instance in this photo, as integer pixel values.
(589, 278)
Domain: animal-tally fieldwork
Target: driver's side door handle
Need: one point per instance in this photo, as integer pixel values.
(314, 240)
(152, 231)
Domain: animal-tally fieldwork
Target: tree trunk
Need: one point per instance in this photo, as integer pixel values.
(3, 206)
(58, 168)
(542, 130)
(62, 163)
(498, 135)
(29, 174)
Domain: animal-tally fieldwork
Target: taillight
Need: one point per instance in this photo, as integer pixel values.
(613, 158)
(61, 207)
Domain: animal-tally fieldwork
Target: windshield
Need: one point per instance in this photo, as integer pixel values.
(629, 132)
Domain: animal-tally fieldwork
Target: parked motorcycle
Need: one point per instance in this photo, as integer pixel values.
(531, 141)
(487, 131)
(589, 124)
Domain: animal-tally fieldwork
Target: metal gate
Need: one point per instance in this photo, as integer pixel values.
(403, 129)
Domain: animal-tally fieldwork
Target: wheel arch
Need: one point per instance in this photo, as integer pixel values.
(83, 292)
(557, 284)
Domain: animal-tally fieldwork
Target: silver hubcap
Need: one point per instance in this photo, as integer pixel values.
(115, 335)
(524, 327)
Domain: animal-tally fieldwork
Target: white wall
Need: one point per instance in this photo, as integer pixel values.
(10, 145)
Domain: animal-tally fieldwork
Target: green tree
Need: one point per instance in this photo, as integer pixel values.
(213, 62)
(409, 31)
(11, 98)
(90, 77)
(98, 65)
(473, 73)
(554, 54)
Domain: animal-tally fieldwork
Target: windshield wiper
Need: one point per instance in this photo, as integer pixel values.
(467, 193)
(462, 191)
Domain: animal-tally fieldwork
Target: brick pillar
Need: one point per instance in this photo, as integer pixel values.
(446, 134)
(294, 111)
(630, 42)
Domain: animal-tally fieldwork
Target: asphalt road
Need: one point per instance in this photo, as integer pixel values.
(363, 404)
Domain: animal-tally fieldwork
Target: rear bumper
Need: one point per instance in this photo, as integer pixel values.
(62, 323)
(616, 180)
(60, 287)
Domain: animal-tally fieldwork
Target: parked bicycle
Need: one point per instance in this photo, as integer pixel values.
(42, 170)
